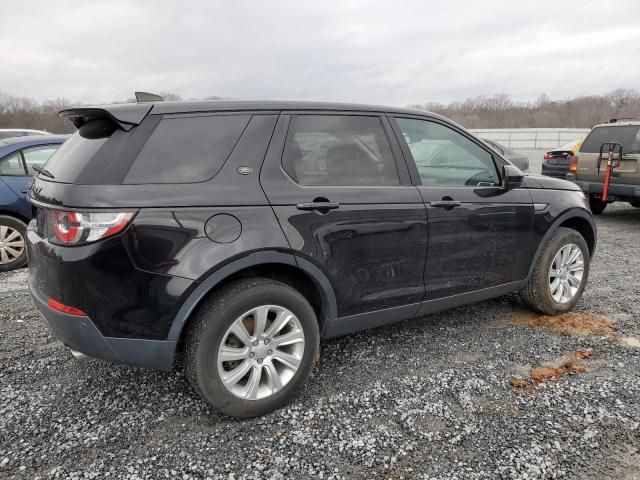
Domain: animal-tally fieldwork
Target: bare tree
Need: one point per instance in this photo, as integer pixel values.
(482, 111)
(499, 111)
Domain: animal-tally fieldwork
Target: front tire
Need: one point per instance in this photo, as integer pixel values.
(13, 251)
(596, 205)
(251, 347)
(559, 275)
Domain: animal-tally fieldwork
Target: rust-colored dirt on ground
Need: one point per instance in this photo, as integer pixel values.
(570, 323)
(570, 364)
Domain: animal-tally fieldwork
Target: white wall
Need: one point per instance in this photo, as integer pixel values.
(531, 138)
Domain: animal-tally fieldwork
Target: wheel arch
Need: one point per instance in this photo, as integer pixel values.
(300, 274)
(16, 215)
(577, 219)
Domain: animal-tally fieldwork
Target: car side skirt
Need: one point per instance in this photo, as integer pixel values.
(363, 321)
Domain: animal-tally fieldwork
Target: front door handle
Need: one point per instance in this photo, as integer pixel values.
(445, 203)
(24, 191)
(320, 206)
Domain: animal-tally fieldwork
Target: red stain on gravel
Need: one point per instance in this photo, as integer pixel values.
(568, 365)
(571, 323)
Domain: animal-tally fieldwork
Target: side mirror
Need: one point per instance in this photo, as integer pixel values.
(512, 177)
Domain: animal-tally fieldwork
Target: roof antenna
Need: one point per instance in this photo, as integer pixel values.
(142, 97)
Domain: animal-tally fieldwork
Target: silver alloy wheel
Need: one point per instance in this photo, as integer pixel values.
(11, 244)
(565, 273)
(261, 352)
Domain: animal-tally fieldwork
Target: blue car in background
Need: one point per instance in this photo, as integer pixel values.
(18, 158)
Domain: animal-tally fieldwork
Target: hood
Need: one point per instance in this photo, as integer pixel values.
(542, 181)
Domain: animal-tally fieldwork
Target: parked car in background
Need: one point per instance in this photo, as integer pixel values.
(625, 183)
(556, 162)
(19, 157)
(20, 132)
(519, 159)
(240, 233)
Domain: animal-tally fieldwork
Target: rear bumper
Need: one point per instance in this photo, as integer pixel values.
(556, 171)
(616, 190)
(81, 334)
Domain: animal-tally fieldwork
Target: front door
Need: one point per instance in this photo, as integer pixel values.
(479, 233)
(343, 197)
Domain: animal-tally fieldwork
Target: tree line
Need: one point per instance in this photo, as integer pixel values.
(497, 111)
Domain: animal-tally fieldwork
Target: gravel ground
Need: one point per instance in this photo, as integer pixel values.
(430, 398)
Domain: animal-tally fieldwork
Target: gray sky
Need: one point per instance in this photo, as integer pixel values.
(391, 52)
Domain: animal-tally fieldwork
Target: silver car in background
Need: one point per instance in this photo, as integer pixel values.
(520, 160)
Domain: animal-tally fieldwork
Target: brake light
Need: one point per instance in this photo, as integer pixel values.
(548, 156)
(66, 226)
(73, 228)
(573, 167)
(61, 307)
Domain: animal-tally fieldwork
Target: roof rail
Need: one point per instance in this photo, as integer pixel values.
(614, 120)
(143, 97)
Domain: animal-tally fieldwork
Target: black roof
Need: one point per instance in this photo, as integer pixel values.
(272, 105)
(130, 114)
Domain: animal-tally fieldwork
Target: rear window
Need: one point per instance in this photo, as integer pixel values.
(74, 154)
(628, 136)
(187, 149)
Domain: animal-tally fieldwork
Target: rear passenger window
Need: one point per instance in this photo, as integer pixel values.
(339, 150)
(187, 149)
(38, 156)
(12, 165)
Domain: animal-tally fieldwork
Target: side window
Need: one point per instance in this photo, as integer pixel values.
(187, 149)
(339, 150)
(12, 165)
(37, 156)
(445, 157)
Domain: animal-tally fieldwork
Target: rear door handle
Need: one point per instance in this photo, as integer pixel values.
(445, 203)
(318, 206)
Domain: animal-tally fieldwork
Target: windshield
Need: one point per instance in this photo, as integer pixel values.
(628, 136)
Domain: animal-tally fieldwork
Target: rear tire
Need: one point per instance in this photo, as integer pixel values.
(13, 250)
(539, 291)
(275, 368)
(596, 205)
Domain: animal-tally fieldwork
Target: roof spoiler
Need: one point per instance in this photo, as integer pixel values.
(126, 116)
(143, 97)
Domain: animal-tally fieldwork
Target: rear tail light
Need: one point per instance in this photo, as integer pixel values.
(547, 156)
(573, 166)
(61, 307)
(65, 227)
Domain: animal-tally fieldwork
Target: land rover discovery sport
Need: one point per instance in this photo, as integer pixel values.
(241, 234)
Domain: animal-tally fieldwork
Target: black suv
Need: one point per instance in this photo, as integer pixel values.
(240, 234)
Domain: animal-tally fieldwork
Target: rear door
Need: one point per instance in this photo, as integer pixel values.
(14, 174)
(342, 194)
(16, 169)
(479, 233)
(629, 170)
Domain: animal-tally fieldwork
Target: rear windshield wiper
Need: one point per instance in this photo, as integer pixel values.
(44, 172)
